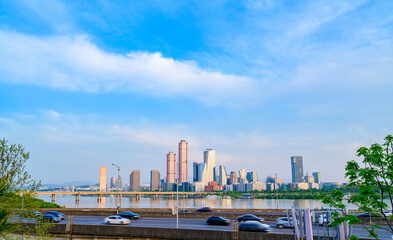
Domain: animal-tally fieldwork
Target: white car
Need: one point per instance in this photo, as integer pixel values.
(116, 220)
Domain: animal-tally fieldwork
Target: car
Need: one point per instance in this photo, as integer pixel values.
(250, 217)
(388, 213)
(205, 209)
(284, 222)
(184, 211)
(367, 214)
(254, 226)
(51, 218)
(217, 220)
(55, 213)
(31, 214)
(129, 215)
(116, 220)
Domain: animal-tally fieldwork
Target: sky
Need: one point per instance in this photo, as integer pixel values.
(85, 84)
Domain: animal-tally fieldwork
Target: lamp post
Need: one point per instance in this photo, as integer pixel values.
(118, 185)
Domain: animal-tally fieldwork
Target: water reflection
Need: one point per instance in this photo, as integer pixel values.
(132, 202)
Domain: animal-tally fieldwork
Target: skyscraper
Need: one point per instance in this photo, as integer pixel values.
(135, 181)
(171, 167)
(196, 172)
(317, 177)
(183, 161)
(297, 168)
(154, 180)
(119, 182)
(209, 160)
(113, 182)
(242, 173)
(309, 178)
(222, 176)
(233, 178)
(103, 171)
(252, 177)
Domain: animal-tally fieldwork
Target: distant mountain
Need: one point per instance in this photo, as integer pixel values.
(73, 183)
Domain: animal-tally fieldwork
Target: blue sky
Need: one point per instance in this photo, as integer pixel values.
(85, 84)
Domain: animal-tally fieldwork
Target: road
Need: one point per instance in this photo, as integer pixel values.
(201, 224)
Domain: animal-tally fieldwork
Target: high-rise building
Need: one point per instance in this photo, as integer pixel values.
(183, 161)
(154, 180)
(135, 181)
(119, 183)
(242, 173)
(103, 171)
(113, 182)
(317, 177)
(309, 178)
(233, 178)
(171, 167)
(252, 177)
(196, 172)
(222, 176)
(209, 160)
(297, 169)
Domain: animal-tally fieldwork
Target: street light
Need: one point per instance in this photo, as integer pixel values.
(118, 185)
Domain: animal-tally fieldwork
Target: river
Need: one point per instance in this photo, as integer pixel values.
(145, 202)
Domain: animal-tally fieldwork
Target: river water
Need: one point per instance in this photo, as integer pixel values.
(130, 202)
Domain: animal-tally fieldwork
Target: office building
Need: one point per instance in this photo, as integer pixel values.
(252, 177)
(233, 178)
(103, 172)
(119, 183)
(113, 182)
(196, 172)
(135, 181)
(302, 185)
(242, 173)
(154, 180)
(183, 161)
(171, 167)
(222, 176)
(213, 186)
(317, 177)
(297, 169)
(255, 186)
(209, 164)
(309, 178)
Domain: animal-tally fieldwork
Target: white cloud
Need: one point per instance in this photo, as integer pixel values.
(76, 64)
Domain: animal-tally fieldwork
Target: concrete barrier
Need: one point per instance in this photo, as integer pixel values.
(231, 214)
(110, 231)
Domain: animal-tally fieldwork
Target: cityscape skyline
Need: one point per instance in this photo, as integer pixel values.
(208, 176)
(257, 81)
(247, 181)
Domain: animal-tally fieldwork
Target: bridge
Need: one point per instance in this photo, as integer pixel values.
(137, 195)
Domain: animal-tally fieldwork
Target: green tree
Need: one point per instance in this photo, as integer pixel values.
(16, 186)
(374, 181)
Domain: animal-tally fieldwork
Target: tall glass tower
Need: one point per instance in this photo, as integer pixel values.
(297, 168)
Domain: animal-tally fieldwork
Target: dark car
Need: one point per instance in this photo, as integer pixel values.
(56, 214)
(217, 220)
(367, 214)
(51, 218)
(30, 214)
(250, 217)
(254, 226)
(184, 211)
(129, 215)
(205, 209)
